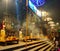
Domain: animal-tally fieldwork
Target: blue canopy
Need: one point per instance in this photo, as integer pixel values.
(38, 3)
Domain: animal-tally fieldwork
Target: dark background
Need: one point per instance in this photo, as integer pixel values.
(53, 7)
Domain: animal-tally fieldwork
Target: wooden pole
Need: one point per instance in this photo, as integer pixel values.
(26, 20)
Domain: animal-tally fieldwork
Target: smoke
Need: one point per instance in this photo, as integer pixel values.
(32, 27)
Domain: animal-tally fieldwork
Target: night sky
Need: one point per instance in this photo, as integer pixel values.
(53, 7)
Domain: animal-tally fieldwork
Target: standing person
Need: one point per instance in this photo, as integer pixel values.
(57, 41)
(20, 34)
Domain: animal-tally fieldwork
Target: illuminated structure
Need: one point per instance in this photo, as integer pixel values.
(20, 9)
(38, 3)
(33, 4)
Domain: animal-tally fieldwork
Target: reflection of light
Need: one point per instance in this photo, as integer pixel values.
(50, 22)
(6, 1)
(57, 23)
(52, 27)
(33, 23)
(38, 13)
(43, 13)
(3, 25)
(48, 19)
(31, 5)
